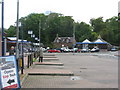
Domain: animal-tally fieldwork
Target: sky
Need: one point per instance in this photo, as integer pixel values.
(80, 10)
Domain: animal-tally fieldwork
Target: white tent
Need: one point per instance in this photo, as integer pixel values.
(85, 44)
(86, 41)
(100, 41)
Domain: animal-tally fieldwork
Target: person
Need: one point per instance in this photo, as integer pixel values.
(41, 55)
(12, 50)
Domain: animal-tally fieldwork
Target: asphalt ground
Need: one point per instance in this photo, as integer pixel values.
(95, 70)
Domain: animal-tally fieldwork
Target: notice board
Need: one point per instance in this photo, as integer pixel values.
(9, 77)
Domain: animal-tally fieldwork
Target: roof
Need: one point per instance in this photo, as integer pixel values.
(100, 41)
(12, 38)
(63, 39)
(24, 41)
(86, 41)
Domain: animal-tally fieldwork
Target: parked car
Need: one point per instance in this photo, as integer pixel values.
(75, 50)
(67, 50)
(53, 51)
(113, 49)
(85, 50)
(60, 49)
(95, 50)
(78, 50)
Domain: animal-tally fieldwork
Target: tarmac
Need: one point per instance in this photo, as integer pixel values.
(71, 71)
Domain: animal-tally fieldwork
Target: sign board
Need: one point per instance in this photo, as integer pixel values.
(9, 77)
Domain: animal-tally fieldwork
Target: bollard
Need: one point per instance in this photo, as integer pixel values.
(21, 64)
(32, 56)
(28, 61)
(17, 60)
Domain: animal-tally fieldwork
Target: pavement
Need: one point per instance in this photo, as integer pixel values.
(40, 68)
(48, 63)
(81, 70)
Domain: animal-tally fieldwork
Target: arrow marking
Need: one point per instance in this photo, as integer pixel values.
(11, 81)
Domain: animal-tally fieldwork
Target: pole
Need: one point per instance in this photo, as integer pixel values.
(17, 31)
(73, 30)
(73, 37)
(39, 37)
(22, 50)
(39, 32)
(3, 41)
(17, 35)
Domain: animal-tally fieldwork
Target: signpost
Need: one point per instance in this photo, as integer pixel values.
(9, 77)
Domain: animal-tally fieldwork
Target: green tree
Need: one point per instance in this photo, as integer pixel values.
(84, 31)
(112, 33)
(97, 24)
(11, 32)
(56, 23)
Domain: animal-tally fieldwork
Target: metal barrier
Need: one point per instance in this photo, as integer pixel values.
(26, 60)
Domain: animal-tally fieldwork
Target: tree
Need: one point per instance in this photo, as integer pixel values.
(84, 31)
(112, 31)
(56, 23)
(97, 24)
(11, 31)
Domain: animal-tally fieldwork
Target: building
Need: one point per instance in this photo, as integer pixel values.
(11, 41)
(60, 42)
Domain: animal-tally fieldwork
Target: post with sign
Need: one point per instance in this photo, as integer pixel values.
(9, 77)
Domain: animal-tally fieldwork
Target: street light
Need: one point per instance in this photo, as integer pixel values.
(36, 38)
(73, 37)
(33, 35)
(22, 50)
(3, 41)
(39, 32)
(17, 31)
(30, 32)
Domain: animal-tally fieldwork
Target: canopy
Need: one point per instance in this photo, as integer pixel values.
(100, 41)
(19, 41)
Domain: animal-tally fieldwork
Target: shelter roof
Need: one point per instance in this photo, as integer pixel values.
(86, 41)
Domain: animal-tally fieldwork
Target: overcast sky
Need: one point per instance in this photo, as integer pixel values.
(81, 10)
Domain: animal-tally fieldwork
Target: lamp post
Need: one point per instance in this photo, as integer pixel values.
(36, 47)
(73, 37)
(32, 35)
(30, 32)
(74, 30)
(17, 31)
(3, 41)
(39, 33)
(22, 51)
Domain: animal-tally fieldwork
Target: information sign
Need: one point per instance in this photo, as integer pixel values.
(9, 77)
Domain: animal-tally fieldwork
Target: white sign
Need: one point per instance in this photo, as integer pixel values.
(9, 72)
